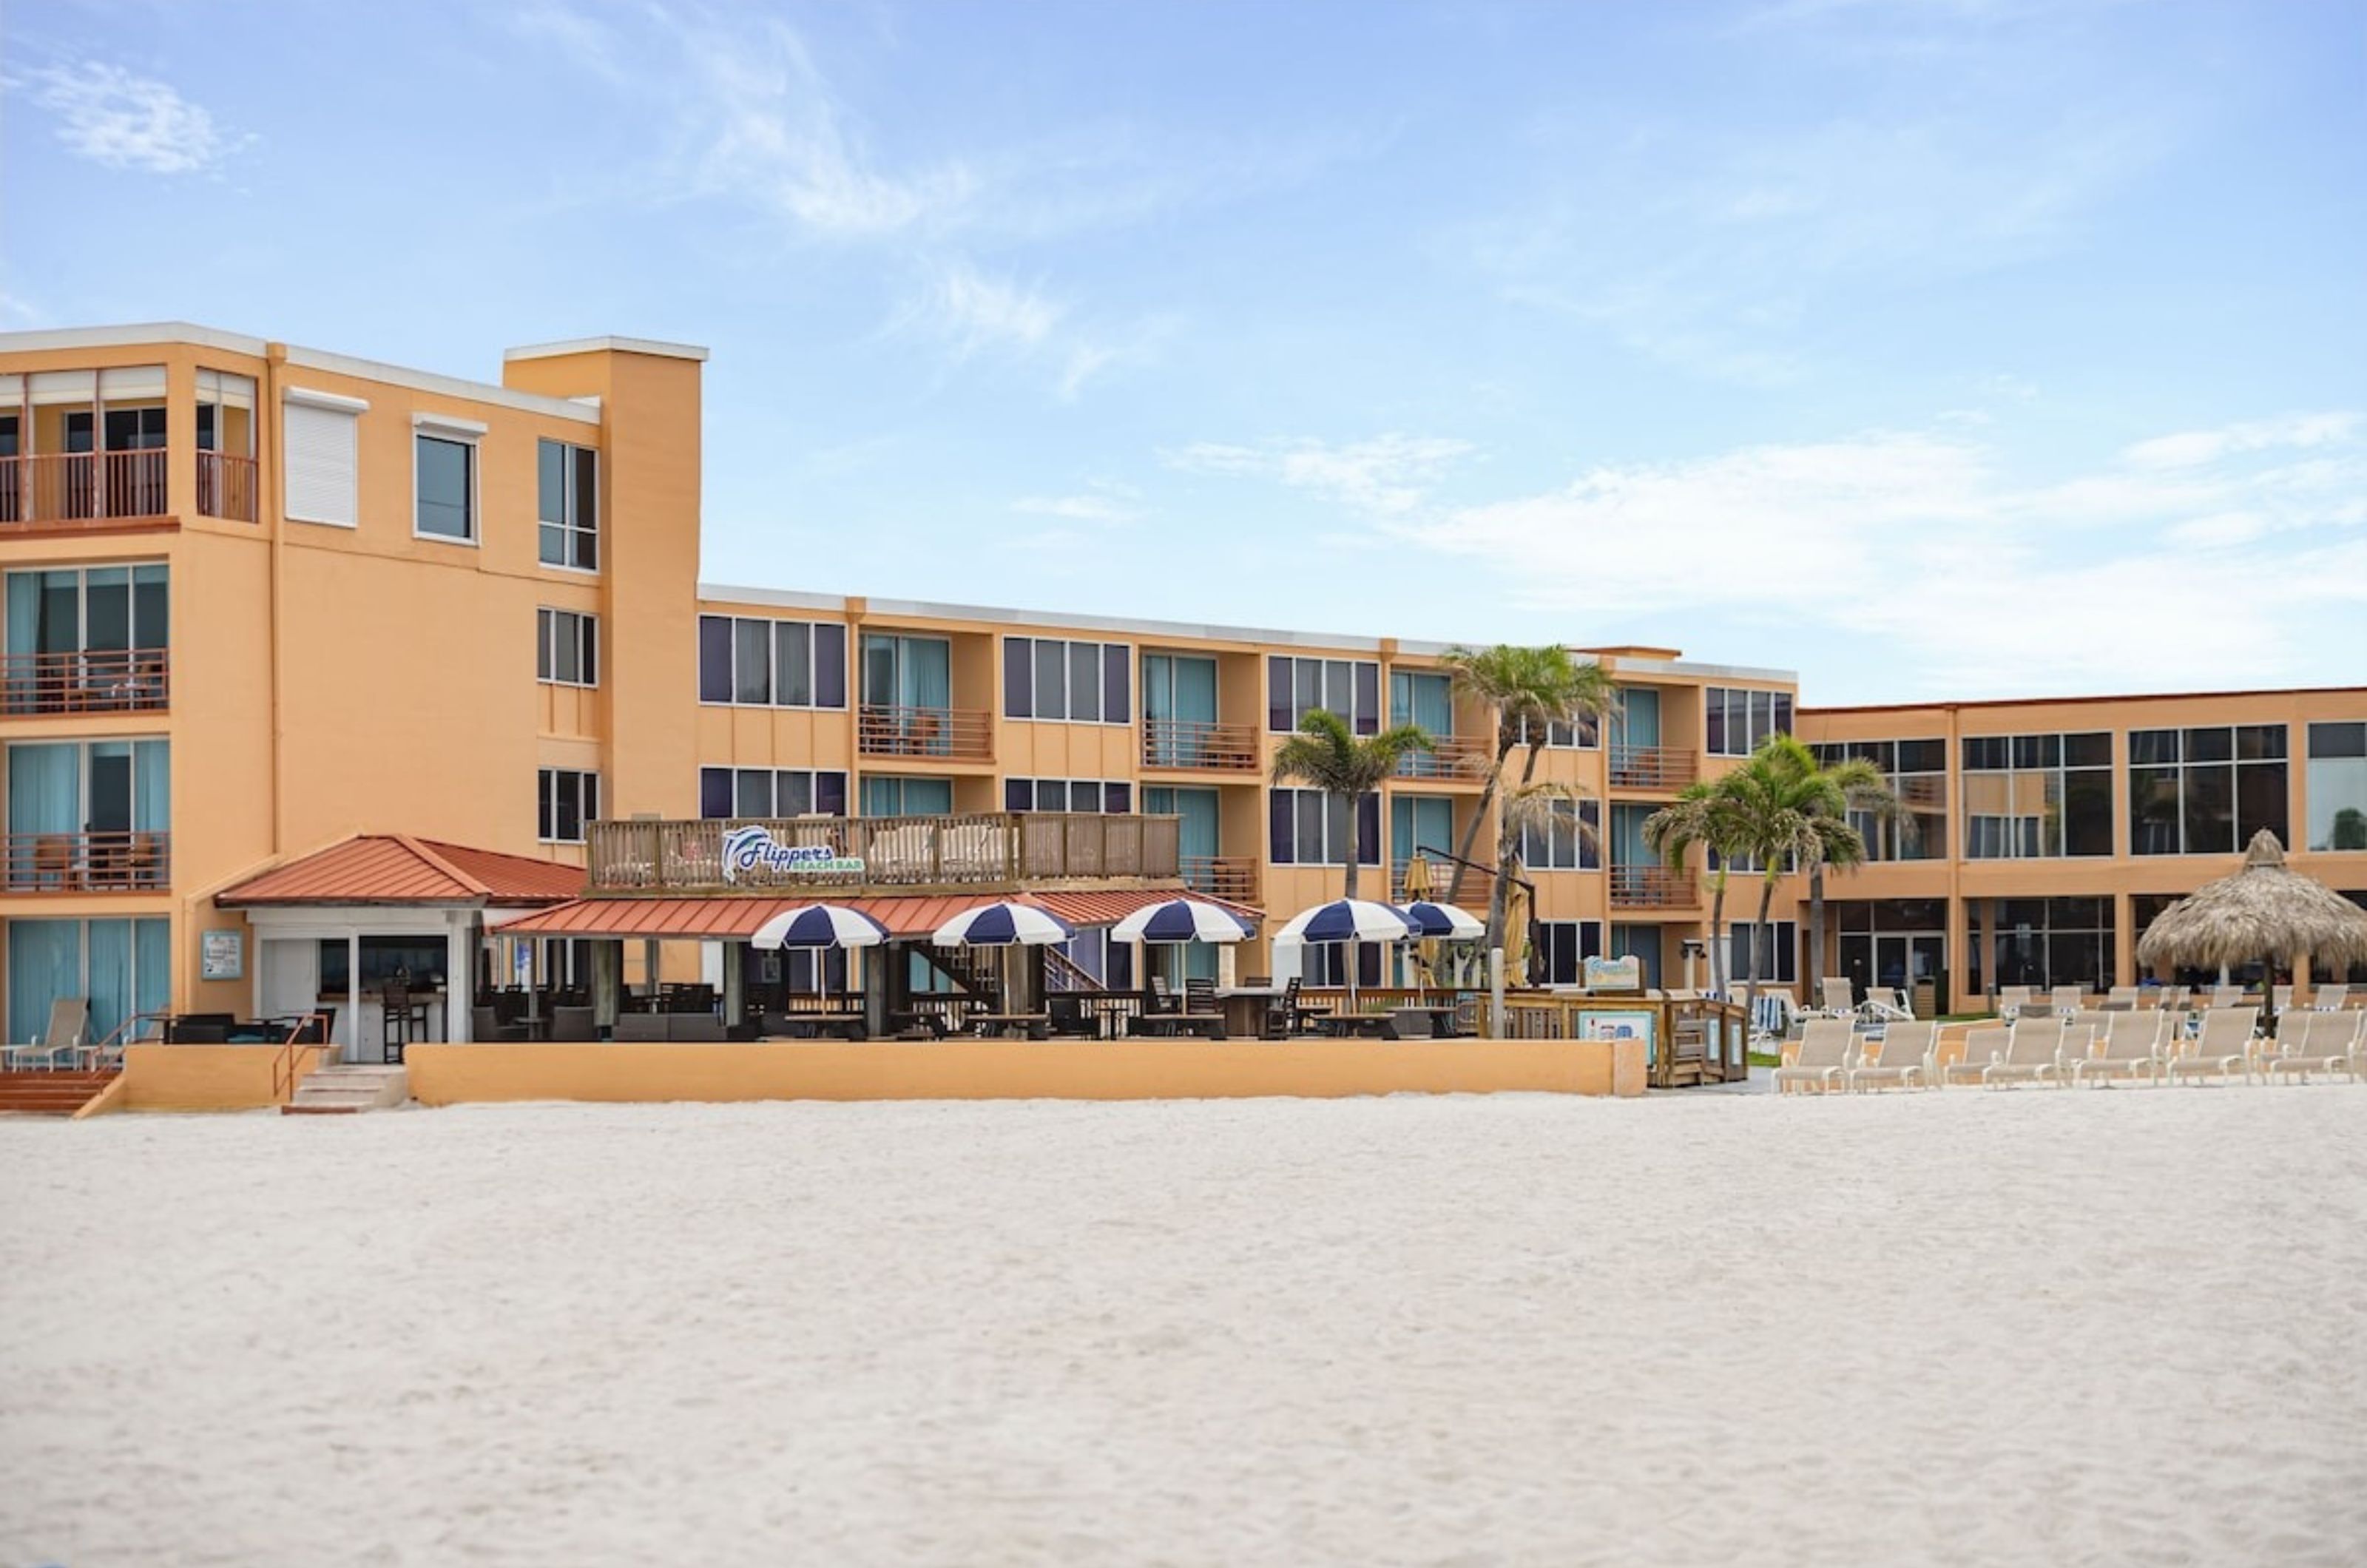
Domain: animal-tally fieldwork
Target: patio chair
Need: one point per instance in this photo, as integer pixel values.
(2283, 998)
(68, 1032)
(640, 1027)
(1883, 1004)
(2130, 1045)
(1836, 996)
(2066, 1000)
(572, 1025)
(1200, 996)
(1297, 1014)
(1823, 1058)
(485, 1024)
(2032, 1051)
(1162, 996)
(695, 1029)
(2224, 1045)
(2011, 1000)
(2319, 1042)
(1901, 1057)
(2226, 996)
(2120, 998)
(2330, 998)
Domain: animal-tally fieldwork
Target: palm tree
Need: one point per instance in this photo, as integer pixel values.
(1528, 808)
(1329, 756)
(1701, 815)
(1783, 808)
(1864, 792)
(1524, 691)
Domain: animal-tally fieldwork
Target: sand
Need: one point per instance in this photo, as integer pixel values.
(2115, 1327)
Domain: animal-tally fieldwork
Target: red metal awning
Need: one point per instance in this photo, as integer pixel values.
(393, 868)
(906, 916)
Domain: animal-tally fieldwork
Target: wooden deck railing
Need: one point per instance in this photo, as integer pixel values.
(97, 680)
(1653, 887)
(226, 486)
(86, 863)
(1222, 876)
(1652, 767)
(960, 735)
(1191, 743)
(51, 488)
(1450, 757)
(993, 849)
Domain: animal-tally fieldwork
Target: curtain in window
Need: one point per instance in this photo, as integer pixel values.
(152, 957)
(44, 963)
(151, 785)
(109, 975)
(927, 674)
(44, 789)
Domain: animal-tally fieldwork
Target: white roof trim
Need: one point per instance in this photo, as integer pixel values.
(130, 336)
(447, 386)
(1623, 665)
(606, 345)
(449, 424)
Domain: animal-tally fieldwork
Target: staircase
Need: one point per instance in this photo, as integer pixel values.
(338, 1089)
(35, 1093)
(973, 969)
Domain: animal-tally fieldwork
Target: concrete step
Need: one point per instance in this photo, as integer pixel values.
(344, 1088)
(32, 1092)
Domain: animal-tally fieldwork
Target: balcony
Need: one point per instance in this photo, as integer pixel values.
(1222, 876)
(87, 863)
(97, 680)
(1653, 887)
(84, 490)
(981, 851)
(1201, 746)
(955, 735)
(1451, 758)
(1652, 767)
(226, 487)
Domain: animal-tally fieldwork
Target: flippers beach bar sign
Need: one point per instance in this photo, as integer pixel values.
(754, 850)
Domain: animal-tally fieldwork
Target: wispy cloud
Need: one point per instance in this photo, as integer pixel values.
(1106, 502)
(2194, 448)
(973, 310)
(1388, 476)
(123, 121)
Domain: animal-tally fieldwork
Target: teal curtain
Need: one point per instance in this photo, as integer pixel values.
(151, 785)
(152, 957)
(1195, 690)
(109, 975)
(24, 612)
(928, 797)
(926, 678)
(1638, 720)
(1196, 833)
(1422, 699)
(45, 789)
(44, 963)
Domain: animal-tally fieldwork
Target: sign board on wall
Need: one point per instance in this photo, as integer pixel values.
(222, 955)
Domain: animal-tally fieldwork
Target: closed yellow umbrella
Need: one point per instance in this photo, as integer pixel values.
(1417, 889)
(1516, 935)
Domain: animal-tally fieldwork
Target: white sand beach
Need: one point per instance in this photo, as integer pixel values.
(2119, 1326)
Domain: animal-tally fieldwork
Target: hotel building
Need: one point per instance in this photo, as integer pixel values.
(284, 628)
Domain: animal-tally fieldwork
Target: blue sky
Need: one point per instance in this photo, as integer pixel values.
(1958, 349)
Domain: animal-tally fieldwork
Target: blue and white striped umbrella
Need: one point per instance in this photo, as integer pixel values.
(819, 925)
(1443, 920)
(1347, 919)
(1181, 919)
(1003, 925)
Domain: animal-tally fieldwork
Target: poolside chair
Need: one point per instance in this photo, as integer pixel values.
(2283, 996)
(2330, 998)
(2095, 1020)
(1836, 996)
(1823, 1058)
(2131, 1046)
(2033, 1053)
(2321, 1043)
(2227, 996)
(1902, 1057)
(2224, 1045)
(2120, 998)
(2172, 998)
(1883, 1004)
(2011, 1000)
(68, 1032)
(1982, 1047)
(2066, 1000)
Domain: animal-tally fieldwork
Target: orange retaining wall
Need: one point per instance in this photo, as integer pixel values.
(452, 1075)
(201, 1078)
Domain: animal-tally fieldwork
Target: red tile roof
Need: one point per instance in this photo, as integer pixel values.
(390, 868)
(905, 916)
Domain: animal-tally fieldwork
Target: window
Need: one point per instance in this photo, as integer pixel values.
(568, 503)
(2044, 943)
(771, 792)
(1067, 794)
(1424, 824)
(320, 464)
(1075, 683)
(1584, 735)
(564, 801)
(2038, 797)
(567, 648)
(1738, 722)
(888, 795)
(226, 445)
(1571, 841)
(94, 815)
(1326, 964)
(1310, 827)
(1777, 945)
(419, 960)
(1296, 687)
(2337, 782)
(791, 664)
(1917, 773)
(88, 639)
(124, 968)
(444, 479)
(2207, 790)
(1562, 949)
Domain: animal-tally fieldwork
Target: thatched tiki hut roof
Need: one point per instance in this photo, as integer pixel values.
(2264, 911)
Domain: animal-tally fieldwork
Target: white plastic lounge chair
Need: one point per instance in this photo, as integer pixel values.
(2011, 999)
(1835, 997)
(2283, 996)
(68, 1032)
(2033, 1054)
(2319, 1042)
(2066, 1000)
(1823, 1060)
(2225, 1046)
(1883, 1004)
(2226, 996)
(2330, 998)
(2130, 1046)
(1982, 1047)
(1901, 1057)
(2120, 998)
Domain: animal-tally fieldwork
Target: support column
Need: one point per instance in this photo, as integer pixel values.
(2125, 940)
(353, 995)
(734, 986)
(460, 980)
(1958, 936)
(607, 975)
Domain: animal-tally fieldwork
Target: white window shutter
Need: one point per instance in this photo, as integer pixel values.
(320, 486)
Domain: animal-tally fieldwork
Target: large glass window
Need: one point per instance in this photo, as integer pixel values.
(771, 792)
(1571, 840)
(1771, 952)
(122, 967)
(1348, 687)
(1917, 773)
(564, 801)
(92, 815)
(567, 487)
(1736, 721)
(1068, 681)
(567, 650)
(1310, 827)
(1424, 824)
(1562, 949)
(446, 476)
(1068, 794)
(888, 795)
(749, 661)
(2337, 782)
(2044, 943)
(88, 639)
(2205, 791)
(2038, 797)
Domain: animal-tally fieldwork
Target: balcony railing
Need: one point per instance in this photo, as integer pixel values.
(226, 486)
(1197, 743)
(960, 735)
(1653, 887)
(1450, 757)
(1222, 876)
(97, 680)
(1652, 767)
(985, 850)
(89, 488)
(87, 863)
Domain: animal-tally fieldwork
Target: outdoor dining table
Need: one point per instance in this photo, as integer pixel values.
(1032, 1026)
(837, 1023)
(1247, 1008)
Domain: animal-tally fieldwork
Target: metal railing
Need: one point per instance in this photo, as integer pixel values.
(226, 486)
(1652, 767)
(1222, 876)
(965, 734)
(83, 487)
(1449, 757)
(1653, 887)
(1198, 744)
(991, 848)
(86, 863)
(94, 680)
